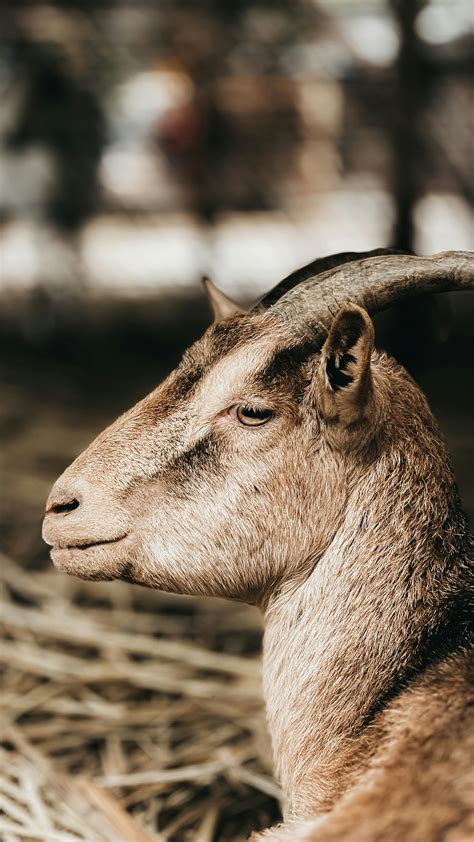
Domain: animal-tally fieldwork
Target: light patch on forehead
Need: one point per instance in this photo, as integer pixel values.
(221, 386)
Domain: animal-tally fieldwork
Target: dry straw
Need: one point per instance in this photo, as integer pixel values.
(128, 715)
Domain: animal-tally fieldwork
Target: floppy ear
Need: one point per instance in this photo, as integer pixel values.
(222, 307)
(345, 358)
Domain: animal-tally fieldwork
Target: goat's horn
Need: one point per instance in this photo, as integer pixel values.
(374, 283)
(317, 267)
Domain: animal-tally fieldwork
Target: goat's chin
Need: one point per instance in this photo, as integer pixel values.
(99, 562)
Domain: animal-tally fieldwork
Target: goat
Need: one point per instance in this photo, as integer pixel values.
(287, 463)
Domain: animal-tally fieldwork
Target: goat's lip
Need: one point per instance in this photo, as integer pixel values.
(62, 553)
(88, 545)
(93, 560)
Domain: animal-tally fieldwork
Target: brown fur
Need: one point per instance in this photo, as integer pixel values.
(412, 770)
(340, 519)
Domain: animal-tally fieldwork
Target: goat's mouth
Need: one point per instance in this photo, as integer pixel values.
(91, 560)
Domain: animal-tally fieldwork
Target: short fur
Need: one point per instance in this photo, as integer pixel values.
(340, 519)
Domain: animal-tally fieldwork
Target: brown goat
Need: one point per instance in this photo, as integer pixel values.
(287, 463)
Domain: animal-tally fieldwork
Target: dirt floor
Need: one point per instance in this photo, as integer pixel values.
(130, 714)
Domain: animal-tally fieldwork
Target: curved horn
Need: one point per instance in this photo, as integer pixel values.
(317, 267)
(373, 283)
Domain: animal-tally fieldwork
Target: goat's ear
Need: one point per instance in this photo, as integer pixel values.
(222, 306)
(345, 358)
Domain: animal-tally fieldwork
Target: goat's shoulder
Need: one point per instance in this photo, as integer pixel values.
(418, 784)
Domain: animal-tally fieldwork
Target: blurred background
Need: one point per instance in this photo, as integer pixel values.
(142, 145)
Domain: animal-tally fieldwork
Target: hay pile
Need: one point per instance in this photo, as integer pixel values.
(128, 715)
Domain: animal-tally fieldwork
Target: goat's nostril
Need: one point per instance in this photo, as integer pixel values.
(61, 508)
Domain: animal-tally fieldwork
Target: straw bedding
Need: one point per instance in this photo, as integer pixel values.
(128, 714)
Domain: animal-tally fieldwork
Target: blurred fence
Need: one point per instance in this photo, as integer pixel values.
(142, 144)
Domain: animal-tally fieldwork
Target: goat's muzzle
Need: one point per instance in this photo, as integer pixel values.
(87, 531)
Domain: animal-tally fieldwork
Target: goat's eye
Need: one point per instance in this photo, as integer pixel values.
(252, 417)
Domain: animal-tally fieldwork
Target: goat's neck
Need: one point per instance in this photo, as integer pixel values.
(340, 644)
